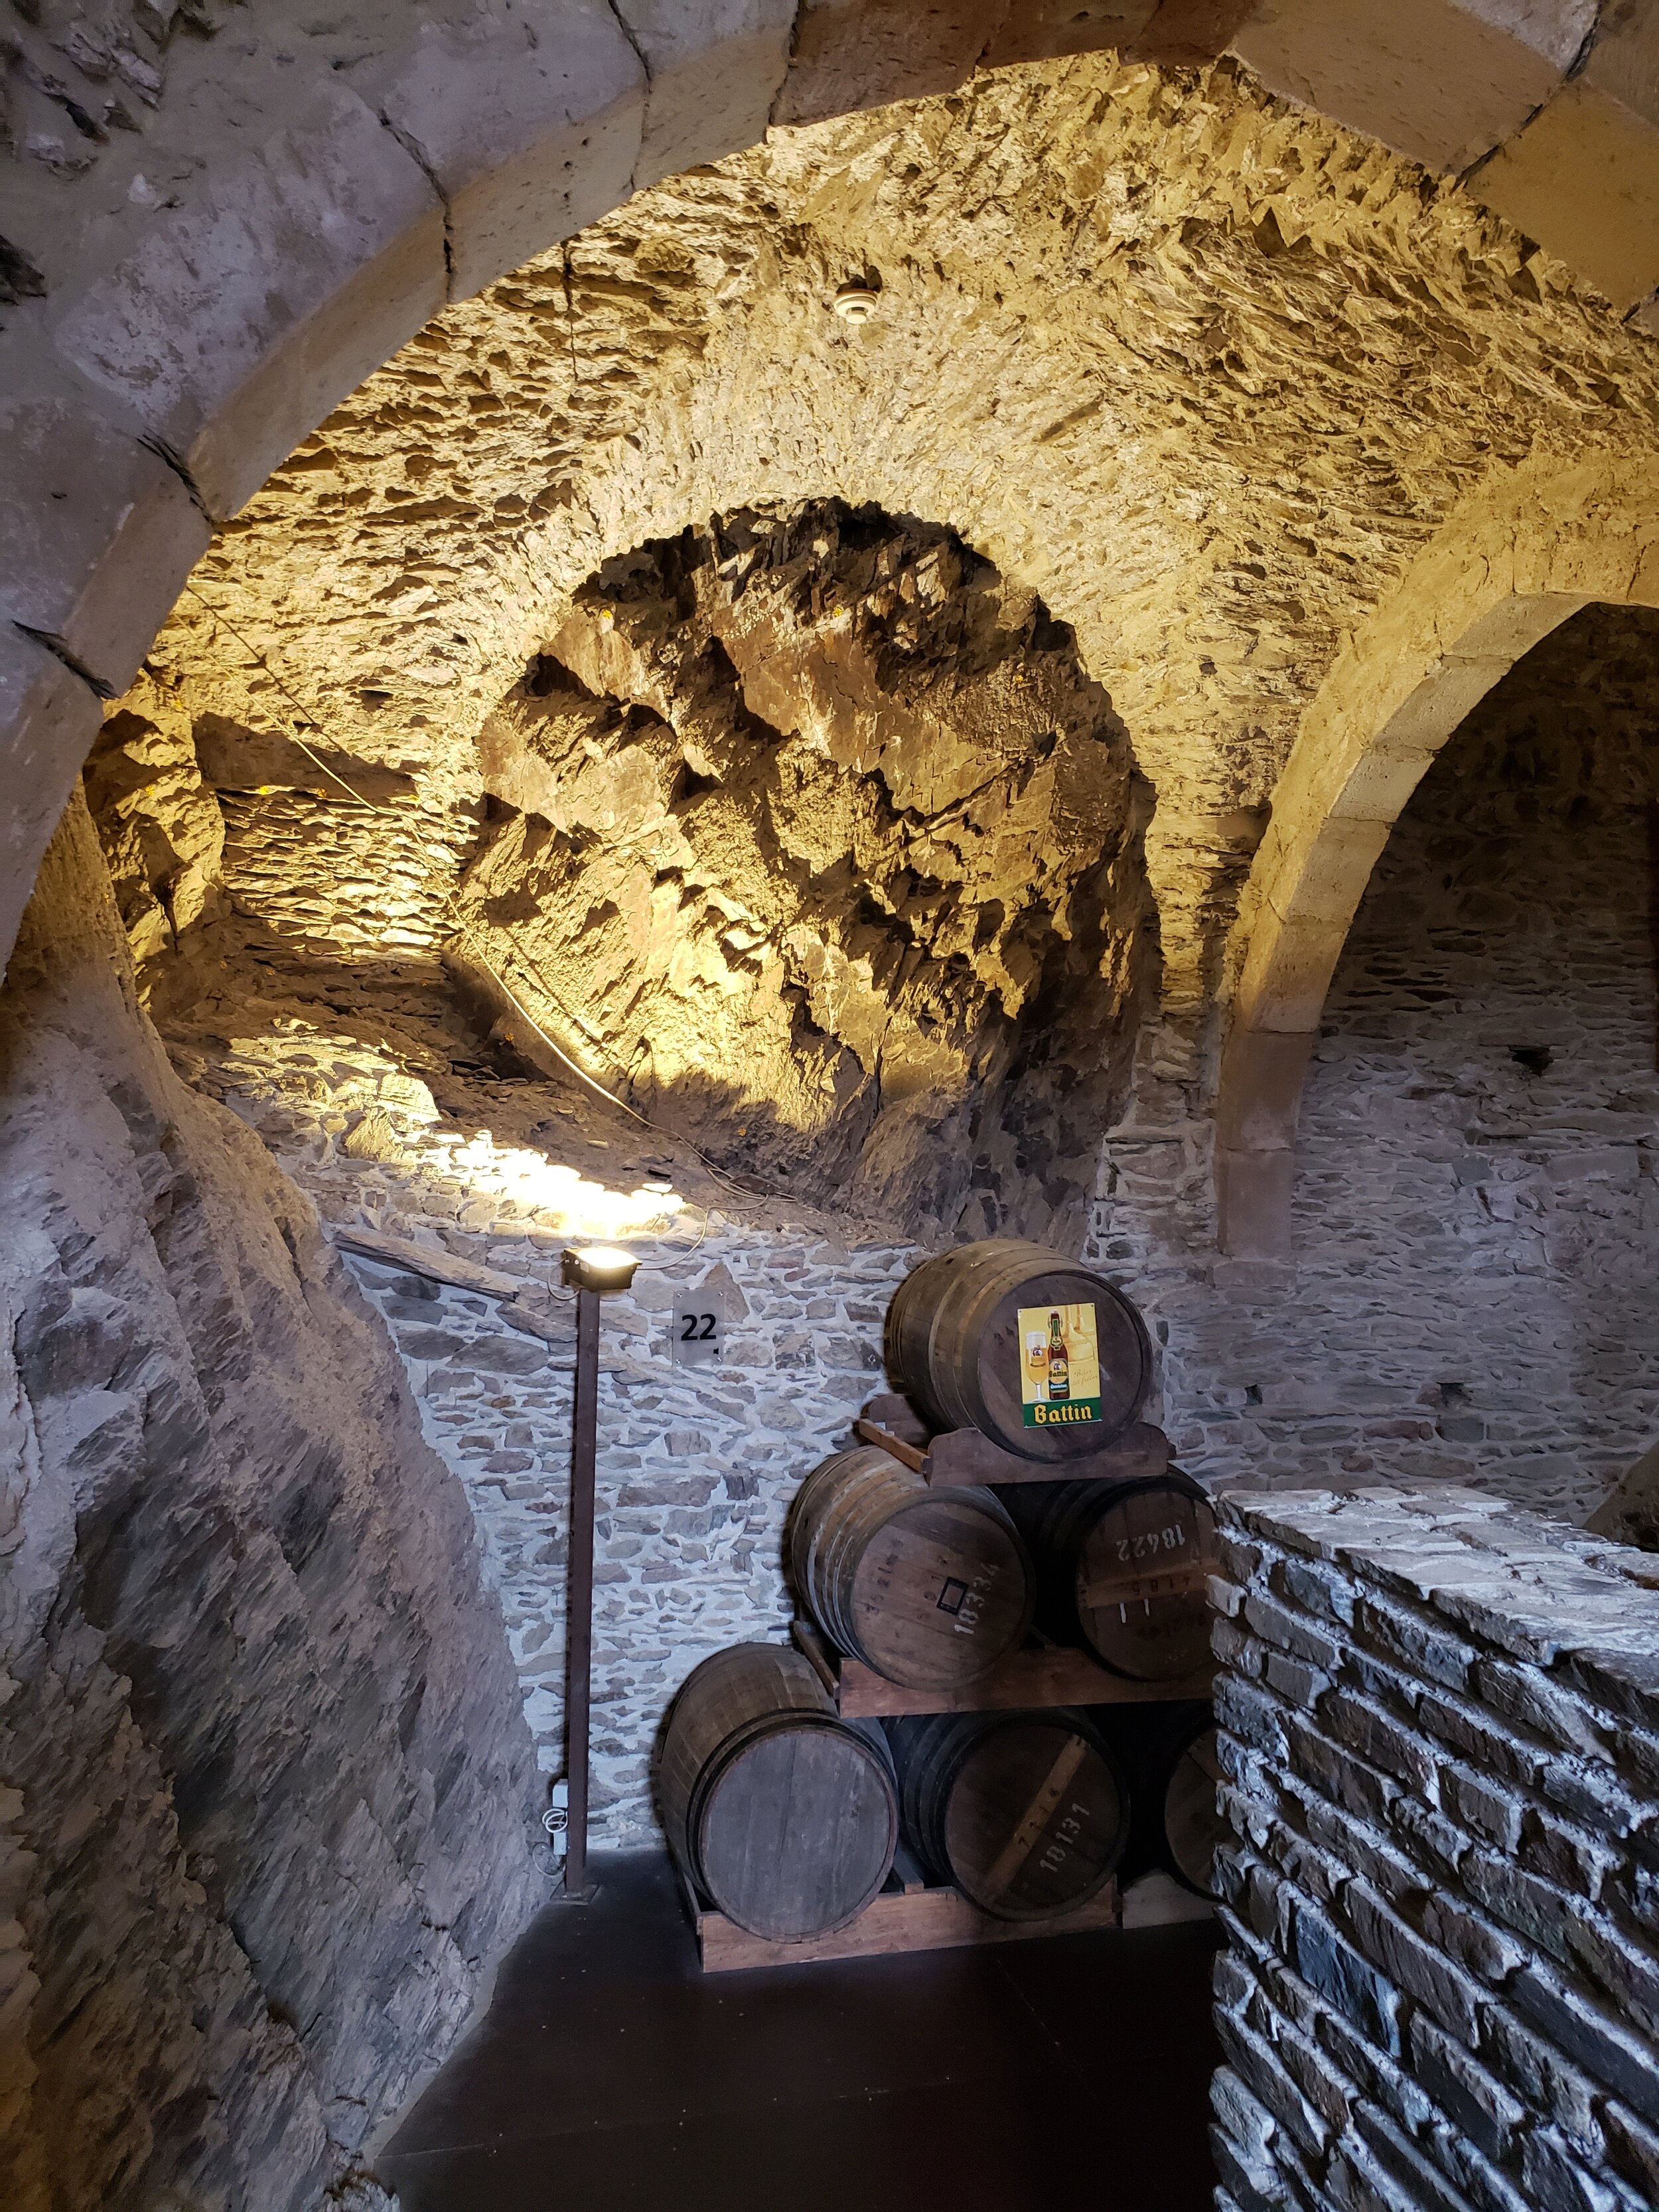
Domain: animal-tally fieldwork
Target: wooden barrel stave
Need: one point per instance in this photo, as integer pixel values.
(1025, 1812)
(1192, 1822)
(931, 1588)
(1124, 1567)
(954, 1347)
(783, 1815)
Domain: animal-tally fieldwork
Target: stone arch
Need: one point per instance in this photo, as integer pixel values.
(325, 192)
(1522, 555)
(301, 197)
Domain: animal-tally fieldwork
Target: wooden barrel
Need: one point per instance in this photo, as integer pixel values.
(1029, 1347)
(1191, 1821)
(1025, 1812)
(1125, 1566)
(929, 1587)
(783, 1815)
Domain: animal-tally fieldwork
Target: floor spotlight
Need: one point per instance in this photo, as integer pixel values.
(591, 1272)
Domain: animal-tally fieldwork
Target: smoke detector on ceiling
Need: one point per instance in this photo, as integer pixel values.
(856, 303)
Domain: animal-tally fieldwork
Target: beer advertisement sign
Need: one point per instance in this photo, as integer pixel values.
(1059, 1366)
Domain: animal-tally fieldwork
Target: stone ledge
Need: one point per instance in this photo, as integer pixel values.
(1442, 1988)
(1536, 1590)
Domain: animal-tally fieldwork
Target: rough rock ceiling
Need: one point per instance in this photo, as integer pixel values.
(823, 835)
(1203, 372)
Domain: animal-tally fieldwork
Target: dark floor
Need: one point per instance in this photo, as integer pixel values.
(610, 2073)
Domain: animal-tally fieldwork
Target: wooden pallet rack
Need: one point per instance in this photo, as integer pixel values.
(954, 1457)
(910, 1915)
(1040, 1674)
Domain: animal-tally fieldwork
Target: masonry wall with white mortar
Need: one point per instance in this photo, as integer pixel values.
(697, 1465)
(1440, 1727)
(1473, 1294)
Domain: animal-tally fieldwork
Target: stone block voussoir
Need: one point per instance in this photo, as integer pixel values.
(713, 71)
(1044, 30)
(531, 128)
(1583, 178)
(49, 717)
(280, 281)
(1442, 82)
(96, 535)
(850, 54)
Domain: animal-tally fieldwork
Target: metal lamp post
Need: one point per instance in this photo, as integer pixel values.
(591, 1273)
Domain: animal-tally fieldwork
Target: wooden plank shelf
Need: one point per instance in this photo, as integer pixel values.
(1040, 1674)
(907, 1915)
(956, 1456)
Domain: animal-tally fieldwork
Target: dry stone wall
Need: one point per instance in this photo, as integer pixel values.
(698, 1465)
(1473, 1294)
(1440, 1733)
(266, 1800)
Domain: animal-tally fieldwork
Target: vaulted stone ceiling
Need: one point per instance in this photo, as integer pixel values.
(1198, 372)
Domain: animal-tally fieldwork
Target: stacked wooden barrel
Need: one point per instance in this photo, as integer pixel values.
(784, 1816)
(1025, 1812)
(957, 1347)
(1123, 1567)
(930, 1588)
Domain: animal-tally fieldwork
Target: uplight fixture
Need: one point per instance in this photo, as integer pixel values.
(591, 1271)
(601, 1268)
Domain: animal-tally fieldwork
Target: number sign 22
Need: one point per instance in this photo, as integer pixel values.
(697, 1332)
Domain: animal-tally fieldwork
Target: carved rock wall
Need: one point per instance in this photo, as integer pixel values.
(267, 1795)
(829, 851)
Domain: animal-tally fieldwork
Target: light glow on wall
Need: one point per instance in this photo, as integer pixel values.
(348, 1089)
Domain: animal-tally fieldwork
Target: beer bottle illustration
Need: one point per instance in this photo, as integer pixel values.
(1059, 1367)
